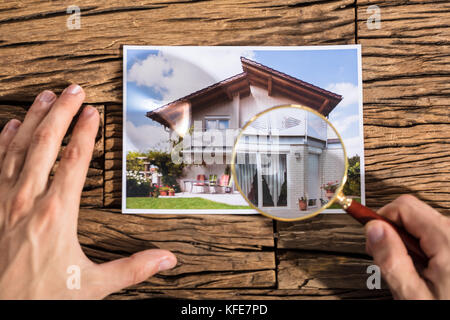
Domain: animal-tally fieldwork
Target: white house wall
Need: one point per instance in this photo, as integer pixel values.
(259, 101)
(220, 109)
(239, 111)
(296, 170)
(333, 166)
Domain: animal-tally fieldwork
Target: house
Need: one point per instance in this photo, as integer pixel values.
(228, 105)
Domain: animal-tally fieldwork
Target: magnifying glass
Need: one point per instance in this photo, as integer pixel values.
(289, 163)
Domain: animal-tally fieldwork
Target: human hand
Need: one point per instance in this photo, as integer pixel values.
(390, 254)
(38, 217)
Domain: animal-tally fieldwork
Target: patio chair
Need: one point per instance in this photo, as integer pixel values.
(224, 183)
(199, 186)
(229, 188)
(212, 183)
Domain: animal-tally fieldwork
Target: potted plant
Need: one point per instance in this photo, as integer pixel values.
(330, 188)
(163, 191)
(154, 191)
(303, 203)
(171, 192)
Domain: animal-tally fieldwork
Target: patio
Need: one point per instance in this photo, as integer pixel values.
(234, 198)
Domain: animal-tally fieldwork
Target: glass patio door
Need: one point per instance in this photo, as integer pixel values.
(263, 179)
(272, 180)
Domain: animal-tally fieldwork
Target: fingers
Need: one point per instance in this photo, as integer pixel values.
(17, 149)
(419, 219)
(71, 172)
(47, 137)
(6, 136)
(118, 274)
(397, 268)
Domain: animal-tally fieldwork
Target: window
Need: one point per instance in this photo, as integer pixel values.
(223, 124)
(214, 124)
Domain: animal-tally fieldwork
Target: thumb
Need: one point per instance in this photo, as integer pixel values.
(118, 274)
(397, 267)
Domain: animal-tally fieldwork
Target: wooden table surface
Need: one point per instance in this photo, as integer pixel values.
(406, 76)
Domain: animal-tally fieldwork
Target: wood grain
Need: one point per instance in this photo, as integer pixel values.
(113, 156)
(93, 189)
(43, 53)
(406, 73)
(406, 131)
(298, 270)
(219, 251)
(300, 276)
(141, 292)
(332, 233)
(406, 98)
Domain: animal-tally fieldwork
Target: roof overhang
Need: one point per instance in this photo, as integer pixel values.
(277, 82)
(169, 114)
(175, 115)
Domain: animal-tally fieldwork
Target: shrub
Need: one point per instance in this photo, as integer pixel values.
(353, 184)
(137, 185)
(137, 190)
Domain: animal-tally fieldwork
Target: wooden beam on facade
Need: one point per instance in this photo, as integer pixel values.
(324, 104)
(265, 74)
(269, 86)
(229, 94)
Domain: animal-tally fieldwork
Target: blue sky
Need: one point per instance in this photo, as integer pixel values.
(156, 77)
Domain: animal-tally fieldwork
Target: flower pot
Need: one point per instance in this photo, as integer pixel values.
(302, 205)
(163, 193)
(171, 193)
(330, 194)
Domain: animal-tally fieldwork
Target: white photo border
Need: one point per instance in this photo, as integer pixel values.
(126, 210)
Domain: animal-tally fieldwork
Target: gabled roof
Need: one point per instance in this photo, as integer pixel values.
(256, 74)
(305, 93)
(224, 89)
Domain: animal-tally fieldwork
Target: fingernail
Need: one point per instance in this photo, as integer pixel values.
(375, 233)
(166, 264)
(73, 89)
(13, 125)
(47, 96)
(88, 111)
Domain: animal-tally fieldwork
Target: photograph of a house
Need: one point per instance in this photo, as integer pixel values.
(201, 127)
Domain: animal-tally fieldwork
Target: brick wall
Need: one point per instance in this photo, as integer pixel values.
(296, 169)
(332, 165)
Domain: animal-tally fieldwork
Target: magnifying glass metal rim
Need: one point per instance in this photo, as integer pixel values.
(233, 164)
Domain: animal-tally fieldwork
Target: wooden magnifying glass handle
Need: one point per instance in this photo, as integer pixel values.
(364, 215)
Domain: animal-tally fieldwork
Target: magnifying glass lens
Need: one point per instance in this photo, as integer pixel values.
(289, 162)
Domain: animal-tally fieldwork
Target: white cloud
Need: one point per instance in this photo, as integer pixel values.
(170, 77)
(146, 137)
(176, 72)
(130, 145)
(220, 62)
(353, 146)
(348, 91)
(343, 123)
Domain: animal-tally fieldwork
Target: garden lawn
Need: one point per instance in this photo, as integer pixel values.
(177, 203)
(337, 206)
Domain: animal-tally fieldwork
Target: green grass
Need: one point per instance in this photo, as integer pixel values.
(337, 206)
(178, 203)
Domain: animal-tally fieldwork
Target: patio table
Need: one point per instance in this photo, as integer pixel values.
(192, 182)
